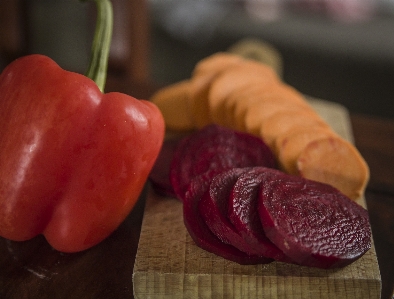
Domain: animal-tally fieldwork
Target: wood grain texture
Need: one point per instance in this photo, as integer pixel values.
(169, 265)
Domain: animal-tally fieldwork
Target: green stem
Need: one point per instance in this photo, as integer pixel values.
(97, 70)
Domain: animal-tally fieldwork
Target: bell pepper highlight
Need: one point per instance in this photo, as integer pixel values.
(73, 160)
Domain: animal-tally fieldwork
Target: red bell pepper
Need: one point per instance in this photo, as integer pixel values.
(73, 161)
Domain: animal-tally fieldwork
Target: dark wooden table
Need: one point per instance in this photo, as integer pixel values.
(33, 270)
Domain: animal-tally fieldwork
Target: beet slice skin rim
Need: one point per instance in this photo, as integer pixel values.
(160, 173)
(314, 223)
(216, 148)
(213, 208)
(199, 231)
(243, 211)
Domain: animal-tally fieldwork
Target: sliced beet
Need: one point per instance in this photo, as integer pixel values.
(216, 148)
(243, 211)
(213, 208)
(160, 173)
(313, 223)
(200, 232)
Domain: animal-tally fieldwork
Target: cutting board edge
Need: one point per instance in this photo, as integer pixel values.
(152, 284)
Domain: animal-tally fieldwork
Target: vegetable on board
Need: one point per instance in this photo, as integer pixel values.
(73, 160)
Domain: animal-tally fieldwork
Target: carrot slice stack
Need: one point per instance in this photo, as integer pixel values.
(290, 145)
(203, 75)
(173, 102)
(335, 161)
(238, 76)
(282, 122)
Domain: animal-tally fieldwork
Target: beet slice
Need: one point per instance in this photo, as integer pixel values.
(314, 223)
(160, 173)
(243, 211)
(213, 208)
(216, 148)
(200, 232)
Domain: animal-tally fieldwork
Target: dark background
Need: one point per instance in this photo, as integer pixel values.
(350, 61)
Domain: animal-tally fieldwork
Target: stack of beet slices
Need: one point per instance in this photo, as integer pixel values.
(215, 149)
(238, 206)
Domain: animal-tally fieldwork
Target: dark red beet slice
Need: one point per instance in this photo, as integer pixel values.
(160, 173)
(244, 215)
(200, 232)
(313, 223)
(216, 148)
(213, 208)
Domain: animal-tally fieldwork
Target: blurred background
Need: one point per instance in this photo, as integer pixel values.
(338, 50)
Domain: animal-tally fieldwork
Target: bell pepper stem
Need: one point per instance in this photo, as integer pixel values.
(97, 69)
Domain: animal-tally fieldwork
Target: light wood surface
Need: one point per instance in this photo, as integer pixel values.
(169, 265)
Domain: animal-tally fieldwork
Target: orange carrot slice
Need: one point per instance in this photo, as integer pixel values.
(282, 122)
(248, 73)
(267, 94)
(203, 74)
(174, 103)
(215, 62)
(289, 146)
(257, 113)
(337, 162)
(241, 95)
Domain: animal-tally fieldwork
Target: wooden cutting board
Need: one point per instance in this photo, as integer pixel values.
(169, 265)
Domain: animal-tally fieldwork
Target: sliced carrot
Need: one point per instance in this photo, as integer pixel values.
(199, 101)
(337, 162)
(265, 94)
(240, 94)
(203, 74)
(282, 122)
(258, 113)
(289, 146)
(216, 61)
(174, 103)
(248, 73)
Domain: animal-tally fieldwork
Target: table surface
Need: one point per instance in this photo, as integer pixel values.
(32, 269)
